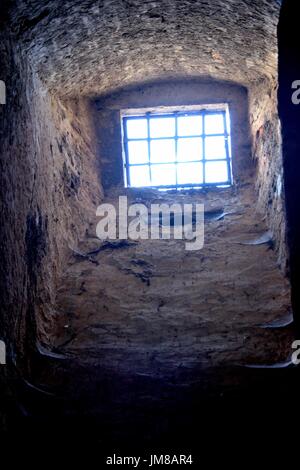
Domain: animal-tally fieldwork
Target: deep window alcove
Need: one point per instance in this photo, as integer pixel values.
(174, 135)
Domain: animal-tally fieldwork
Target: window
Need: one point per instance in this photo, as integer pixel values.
(177, 149)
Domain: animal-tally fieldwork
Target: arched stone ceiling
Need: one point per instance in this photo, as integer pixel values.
(89, 47)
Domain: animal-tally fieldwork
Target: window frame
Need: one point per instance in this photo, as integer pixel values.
(147, 114)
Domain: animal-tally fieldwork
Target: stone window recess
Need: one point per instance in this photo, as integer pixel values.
(179, 148)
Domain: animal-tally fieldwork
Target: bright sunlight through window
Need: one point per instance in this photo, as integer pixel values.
(180, 149)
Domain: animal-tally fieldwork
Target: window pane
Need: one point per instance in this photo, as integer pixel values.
(163, 175)
(191, 173)
(139, 176)
(189, 149)
(137, 129)
(162, 151)
(215, 147)
(189, 125)
(214, 124)
(216, 172)
(138, 151)
(195, 165)
(162, 127)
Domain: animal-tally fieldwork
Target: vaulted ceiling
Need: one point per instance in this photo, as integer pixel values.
(87, 47)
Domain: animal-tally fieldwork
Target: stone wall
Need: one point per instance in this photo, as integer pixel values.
(88, 47)
(78, 49)
(49, 190)
(267, 154)
(50, 147)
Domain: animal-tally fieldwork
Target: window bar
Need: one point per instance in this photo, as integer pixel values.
(176, 147)
(181, 137)
(203, 146)
(229, 178)
(175, 115)
(126, 152)
(174, 162)
(149, 147)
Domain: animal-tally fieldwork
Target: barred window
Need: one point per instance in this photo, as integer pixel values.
(177, 149)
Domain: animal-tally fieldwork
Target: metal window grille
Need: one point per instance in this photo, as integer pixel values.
(177, 150)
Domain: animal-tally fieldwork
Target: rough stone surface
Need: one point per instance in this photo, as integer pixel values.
(267, 154)
(158, 299)
(79, 47)
(153, 328)
(49, 188)
(56, 57)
